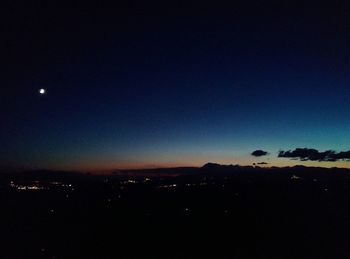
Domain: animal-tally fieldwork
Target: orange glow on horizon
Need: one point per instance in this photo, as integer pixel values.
(243, 161)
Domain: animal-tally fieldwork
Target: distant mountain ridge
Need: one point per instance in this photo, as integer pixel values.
(212, 169)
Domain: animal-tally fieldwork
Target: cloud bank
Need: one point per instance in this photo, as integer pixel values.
(310, 154)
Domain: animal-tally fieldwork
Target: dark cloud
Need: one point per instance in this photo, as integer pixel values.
(310, 154)
(263, 163)
(258, 153)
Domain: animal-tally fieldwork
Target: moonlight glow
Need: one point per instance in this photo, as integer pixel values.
(42, 91)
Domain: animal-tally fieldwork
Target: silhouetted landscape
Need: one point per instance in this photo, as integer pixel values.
(216, 210)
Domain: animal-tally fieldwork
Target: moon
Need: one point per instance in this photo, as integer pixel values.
(42, 91)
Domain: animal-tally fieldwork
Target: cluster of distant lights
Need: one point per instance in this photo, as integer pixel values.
(168, 186)
(129, 182)
(35, 186)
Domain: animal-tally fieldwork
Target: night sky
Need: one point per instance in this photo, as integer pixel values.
(179, 85)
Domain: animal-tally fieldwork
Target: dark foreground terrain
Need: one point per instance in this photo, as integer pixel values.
(214, 211)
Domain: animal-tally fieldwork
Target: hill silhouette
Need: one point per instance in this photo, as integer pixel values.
(185, 206)
(208, 169)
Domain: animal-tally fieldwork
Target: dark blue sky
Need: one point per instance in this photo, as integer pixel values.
(144, 86)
